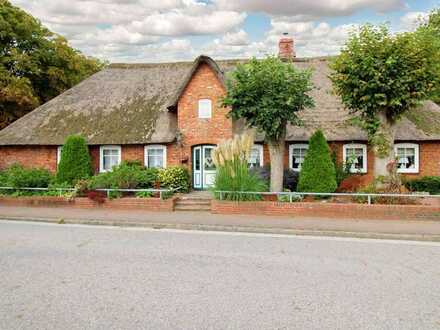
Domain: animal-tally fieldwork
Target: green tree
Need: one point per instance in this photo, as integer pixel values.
(268, 94)
(318, 172)
(75, 163)
(35, 64)
(379, 77)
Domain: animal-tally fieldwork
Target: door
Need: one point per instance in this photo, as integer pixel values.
(203, 167)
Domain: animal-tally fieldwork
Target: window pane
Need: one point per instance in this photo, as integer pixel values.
(208, 163)
(205, 108)
(406, 158)
(254, 159)
(298, 156)
(110, 158)
(155, 157)
(355, 156)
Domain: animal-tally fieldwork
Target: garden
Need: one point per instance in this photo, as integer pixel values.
(74, 178)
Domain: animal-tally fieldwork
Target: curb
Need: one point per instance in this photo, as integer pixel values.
(237, 229)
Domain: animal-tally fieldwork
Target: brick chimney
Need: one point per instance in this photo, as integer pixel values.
(286, 51)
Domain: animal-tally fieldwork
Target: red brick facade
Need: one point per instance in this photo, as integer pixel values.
(195, 131)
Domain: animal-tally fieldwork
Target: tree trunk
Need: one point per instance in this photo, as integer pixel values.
(383, 146)
(276, 151)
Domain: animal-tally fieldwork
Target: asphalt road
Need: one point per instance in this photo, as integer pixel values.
(84, 277)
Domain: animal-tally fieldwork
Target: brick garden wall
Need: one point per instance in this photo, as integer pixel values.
(328, 210)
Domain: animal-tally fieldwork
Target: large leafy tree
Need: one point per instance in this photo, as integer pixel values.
(35, 64)
(380, 76)
(268, 94)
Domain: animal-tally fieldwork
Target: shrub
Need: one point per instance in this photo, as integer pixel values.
(429, 184)
(290, 177)
(175, 177)
(350, 184)
(233, 174)
(19, 177)
(75, 163)
(128, 175)
(342, 170)
(318, 171)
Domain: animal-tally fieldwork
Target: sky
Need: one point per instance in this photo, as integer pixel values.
(180, 30)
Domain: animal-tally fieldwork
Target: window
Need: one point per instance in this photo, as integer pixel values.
(156, 156)
(110, 156)
(205, 108)
(356, 155)
(407, 155)
(256, 156)
(59, 148)
(297, 154)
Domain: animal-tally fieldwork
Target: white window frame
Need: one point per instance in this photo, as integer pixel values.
(155, 146)
(261, 151)
(101, 156)
(59, 148)
(203, 115)
(296, 146)
(364, 151)
(416, 157)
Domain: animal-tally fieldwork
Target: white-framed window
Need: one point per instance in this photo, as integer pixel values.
(297, 154)
(256, 156)
(205, 108)
(156, 156)
(407, 155)
(109, 157)
(59, 149)
(356, 155)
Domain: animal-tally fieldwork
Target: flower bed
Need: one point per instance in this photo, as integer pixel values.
(329, 210)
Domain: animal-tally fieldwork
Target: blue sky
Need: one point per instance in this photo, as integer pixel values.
(173, 30)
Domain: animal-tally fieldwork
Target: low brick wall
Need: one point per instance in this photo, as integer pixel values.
(148, 204)
(328, 210)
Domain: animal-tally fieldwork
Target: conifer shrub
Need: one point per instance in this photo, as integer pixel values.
(75, 163)
(318, 170)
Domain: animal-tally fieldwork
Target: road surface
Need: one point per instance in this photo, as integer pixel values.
(85, 277)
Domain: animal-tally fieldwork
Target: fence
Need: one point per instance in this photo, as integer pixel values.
(291, 195)
(162, 192)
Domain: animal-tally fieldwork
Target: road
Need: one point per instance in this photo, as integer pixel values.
(85, 277)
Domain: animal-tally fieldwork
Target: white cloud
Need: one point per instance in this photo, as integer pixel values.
(310, 8)
(411, 20)
(239, 38)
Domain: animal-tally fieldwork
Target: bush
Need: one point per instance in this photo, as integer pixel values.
(318, 171)
(429, 184)
(128, 175)
(175, 177)
(75, 163)
(290, 177)
(342, 170)
(19, 177)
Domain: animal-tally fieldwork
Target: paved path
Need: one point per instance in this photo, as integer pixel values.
(86, 277)
(417, 229)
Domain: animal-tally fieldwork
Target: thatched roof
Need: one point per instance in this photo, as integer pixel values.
(131, 103)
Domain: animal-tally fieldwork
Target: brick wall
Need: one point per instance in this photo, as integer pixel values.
(328, 210)
(29, 156)
(203, 85)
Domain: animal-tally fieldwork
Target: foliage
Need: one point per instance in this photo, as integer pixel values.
(290, 177)
(318, 171)
(380, 72)
(144, 194)
(19, 177)
(268, 93)
(75, 163)
(127, 175)
(58, 189)
(342, 169)
(430, 184)
(233, 174)
(96, 196)
(430, 30)
(175, 177)
(35, 64)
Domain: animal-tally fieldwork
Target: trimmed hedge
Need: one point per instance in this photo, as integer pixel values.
(75, 163)
(429, 184)
(318, 171)
(19, 177)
